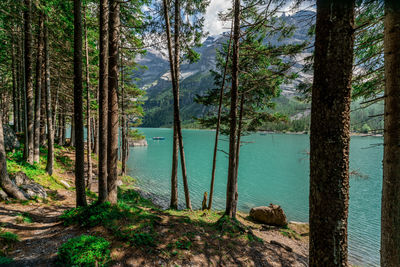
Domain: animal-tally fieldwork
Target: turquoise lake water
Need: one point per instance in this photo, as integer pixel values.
(273, 168)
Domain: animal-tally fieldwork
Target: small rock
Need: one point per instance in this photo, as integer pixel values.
(64, 183)
(271, 215)
(197, 238)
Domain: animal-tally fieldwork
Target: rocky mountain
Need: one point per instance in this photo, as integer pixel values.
(196, 78)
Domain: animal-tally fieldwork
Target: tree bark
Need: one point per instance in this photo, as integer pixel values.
(103, 101)
(231, 191)
(390, 220)
(221, 94)
(28, 82)
(49, 115)
(38, 90)
(5, 183)
(78, 110)
(330, 133)
(88, 135)
(112, 147)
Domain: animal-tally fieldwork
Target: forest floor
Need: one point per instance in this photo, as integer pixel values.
(140, 233)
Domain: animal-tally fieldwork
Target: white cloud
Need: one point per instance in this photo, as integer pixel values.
(212, 23)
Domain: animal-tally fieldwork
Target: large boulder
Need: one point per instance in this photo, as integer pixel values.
(271, 215)
(30, 189)
(33, 190)
(10, 138)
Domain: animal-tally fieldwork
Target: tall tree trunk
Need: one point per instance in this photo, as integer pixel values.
(112, 147)
(28, 82)
(231, 190)
(5, 183)
(72, 135)
(63, 129)
(390, 225)
(55, 110)
(49, 115)
(94, 134)
(239, 135)
(176, 103)
(14, 84)
(19, 88)
(103, 101)
(38, 90)
(174, 66)
(78, 110)
(43, 135)
(221, 94)
(174, 173)
(123, 124)
(59, 129)
(89, 134)
(330, 133)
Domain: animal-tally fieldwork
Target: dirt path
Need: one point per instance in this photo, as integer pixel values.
(39, 239)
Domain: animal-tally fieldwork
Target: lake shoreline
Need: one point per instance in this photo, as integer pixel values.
(269, 132)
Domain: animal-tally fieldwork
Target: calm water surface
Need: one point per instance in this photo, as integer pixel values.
(273, 168)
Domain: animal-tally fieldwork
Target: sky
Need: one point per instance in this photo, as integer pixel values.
(214, 26)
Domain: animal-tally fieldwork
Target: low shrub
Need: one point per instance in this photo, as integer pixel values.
(84, 250)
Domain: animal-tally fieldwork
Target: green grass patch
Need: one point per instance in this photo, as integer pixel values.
(131, 220)
(37, 171)
(84, 250)
(24, 218)
(5, 260)
(289, 233)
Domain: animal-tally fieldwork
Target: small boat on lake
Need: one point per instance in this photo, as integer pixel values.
(158, 138)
